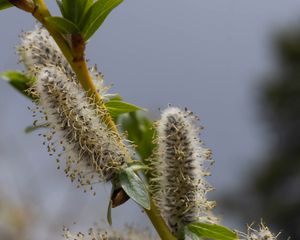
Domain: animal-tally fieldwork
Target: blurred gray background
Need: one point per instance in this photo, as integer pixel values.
(209, 56)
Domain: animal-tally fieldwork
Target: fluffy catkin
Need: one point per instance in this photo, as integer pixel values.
(38, 50)
(129, 233)
(181, 188)
(77, 132)
(262, 233)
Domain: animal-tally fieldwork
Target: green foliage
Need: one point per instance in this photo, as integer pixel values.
(116, 107)
(196, 231)
(96, 15)
(84, 16)
(74, 10)
(5, 4)
(19, 81)
(134, 187)
(108, 214)
(140, 131)
(137, 166)
(63, 25)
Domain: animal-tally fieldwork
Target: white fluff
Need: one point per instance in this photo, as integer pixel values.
(78, 134)
(38, 50)
(262, 233)
(181, 170)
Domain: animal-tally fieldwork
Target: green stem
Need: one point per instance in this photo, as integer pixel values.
(77, 61)
(158, 223)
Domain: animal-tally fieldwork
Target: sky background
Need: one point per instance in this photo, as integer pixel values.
(209, 56)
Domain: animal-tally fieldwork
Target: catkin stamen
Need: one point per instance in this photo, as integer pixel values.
(261, 233)
(179, 185)
(77, 132)
(91, 150)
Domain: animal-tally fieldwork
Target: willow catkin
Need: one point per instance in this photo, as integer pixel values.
(261, 233)
(77, 132)
(38, 49)
(181, 170)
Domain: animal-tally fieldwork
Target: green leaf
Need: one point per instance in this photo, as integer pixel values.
(116, 97)
(117, 107)
(196, 231)
(61, 8)
(63, 25)
(135, 187)
(5, 4)
(80, 9)
(18, 80)
(96, 15)
(67, 7)
(74, 10)
(108, 215)
(137, 166)
(140, 131)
